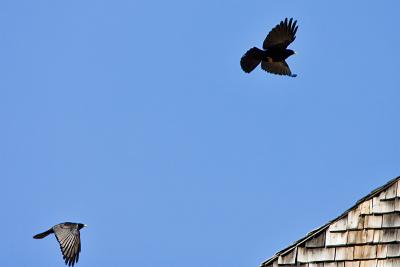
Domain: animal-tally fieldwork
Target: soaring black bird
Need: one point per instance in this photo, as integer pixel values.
(275, 51)
(67, 235)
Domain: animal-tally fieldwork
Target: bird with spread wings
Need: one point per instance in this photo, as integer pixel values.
(68, 236)
(274, 53)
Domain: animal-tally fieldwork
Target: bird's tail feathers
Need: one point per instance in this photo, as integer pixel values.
(251, 59)
(44, 234)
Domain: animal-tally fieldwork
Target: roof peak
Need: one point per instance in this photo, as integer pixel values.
(314, 233)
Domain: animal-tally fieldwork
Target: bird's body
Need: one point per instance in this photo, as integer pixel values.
(271, 55)
(274, 53)
(68, 236)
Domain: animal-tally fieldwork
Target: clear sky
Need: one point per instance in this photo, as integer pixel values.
(135, 118)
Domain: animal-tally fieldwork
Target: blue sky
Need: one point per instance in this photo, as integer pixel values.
(135, 118)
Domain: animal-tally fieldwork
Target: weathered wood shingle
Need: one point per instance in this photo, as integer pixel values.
(366, 235)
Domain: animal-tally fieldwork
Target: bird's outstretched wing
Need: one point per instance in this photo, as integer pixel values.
(70, 243)
(282, 35)
(280, 68)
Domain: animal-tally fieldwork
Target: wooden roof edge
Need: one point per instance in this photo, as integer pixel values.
(315, 232)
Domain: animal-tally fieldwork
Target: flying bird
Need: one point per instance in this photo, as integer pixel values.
(275, 52)
(67, 235)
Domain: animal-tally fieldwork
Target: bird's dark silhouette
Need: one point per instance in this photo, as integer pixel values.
(275, 52)
(68, 236)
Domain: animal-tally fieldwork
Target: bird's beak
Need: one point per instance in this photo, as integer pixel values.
(85, 225)
(295, 53)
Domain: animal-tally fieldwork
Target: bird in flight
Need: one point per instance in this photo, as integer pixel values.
(67, 235)
(275, 52)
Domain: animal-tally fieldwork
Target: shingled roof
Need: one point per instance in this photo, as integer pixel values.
(366, 235)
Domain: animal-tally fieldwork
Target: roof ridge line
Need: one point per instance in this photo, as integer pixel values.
(316, 231)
